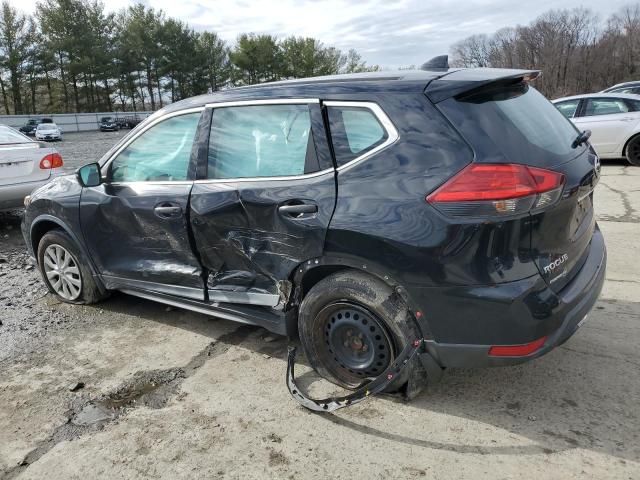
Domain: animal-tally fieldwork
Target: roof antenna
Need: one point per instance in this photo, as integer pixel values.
(437, 64)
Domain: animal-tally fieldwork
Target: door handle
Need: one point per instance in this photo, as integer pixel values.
(167, 210)
(294, 210)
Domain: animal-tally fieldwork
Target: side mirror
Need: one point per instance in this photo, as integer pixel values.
(89, 175)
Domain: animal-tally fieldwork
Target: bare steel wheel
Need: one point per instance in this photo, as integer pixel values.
(352, 326)
(355, 344)
(62, 271)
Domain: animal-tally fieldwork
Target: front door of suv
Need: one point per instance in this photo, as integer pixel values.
(136, 223)
(267, 199)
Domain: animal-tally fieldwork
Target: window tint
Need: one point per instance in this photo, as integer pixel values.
(568, 108)
(605, 106)
(515, 122)
(160, 153)
(354, 131)
(8, 135)
(261, 141)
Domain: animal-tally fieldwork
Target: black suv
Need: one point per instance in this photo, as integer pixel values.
(30, 127)
(108, 124)
(355, 211)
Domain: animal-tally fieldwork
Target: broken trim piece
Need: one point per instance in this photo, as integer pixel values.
(377, 385)
(247, 298)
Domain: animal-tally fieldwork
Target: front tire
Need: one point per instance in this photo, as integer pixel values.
(64, 269)
(352, 326)
(633, 151)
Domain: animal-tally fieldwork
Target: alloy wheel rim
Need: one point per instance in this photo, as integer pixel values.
(62, 272)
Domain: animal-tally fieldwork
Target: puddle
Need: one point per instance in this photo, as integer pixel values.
(91, 414)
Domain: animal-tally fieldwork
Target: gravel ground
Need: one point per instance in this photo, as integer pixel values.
(133, 389)
(78, 149)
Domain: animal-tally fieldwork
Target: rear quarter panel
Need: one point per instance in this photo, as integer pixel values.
(381, 211)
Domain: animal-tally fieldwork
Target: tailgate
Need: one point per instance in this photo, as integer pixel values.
(509, 122)
(21, 164)
(561, 235)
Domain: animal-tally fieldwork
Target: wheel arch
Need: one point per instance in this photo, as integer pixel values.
(312, 271)
(43, 224)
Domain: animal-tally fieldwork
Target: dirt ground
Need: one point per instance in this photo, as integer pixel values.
(133, 389)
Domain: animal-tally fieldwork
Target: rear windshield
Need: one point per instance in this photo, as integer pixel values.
(513, 123)
(47, 126)
(9, 136)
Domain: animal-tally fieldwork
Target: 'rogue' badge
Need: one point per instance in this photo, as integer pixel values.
(555, 264)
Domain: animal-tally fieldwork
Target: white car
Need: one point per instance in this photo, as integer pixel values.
(24, 166)
(48, 131)
(614, 121)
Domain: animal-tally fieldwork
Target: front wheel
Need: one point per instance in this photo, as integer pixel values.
(352, 326)
(633, 151)
(64, 269)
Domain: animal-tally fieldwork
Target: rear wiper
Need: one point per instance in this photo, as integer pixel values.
(581, 138)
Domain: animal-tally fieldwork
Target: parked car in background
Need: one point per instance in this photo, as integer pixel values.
(48, 132)
(30, 127)
(627, 87)
(128, 121)
(612, 118)
(362, 212)
(24, 166)
(109, 124)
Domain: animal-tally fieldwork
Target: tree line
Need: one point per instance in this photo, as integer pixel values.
(73, 56)
(576, 51)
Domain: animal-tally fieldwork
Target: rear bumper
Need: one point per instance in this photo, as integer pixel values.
(12, 196)
(541, 313)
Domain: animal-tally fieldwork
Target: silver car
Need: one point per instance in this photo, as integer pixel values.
(24, 166)
(48, 131)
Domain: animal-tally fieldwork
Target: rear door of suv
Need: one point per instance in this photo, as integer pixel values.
(264, 198)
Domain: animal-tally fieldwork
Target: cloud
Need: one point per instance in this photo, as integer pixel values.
(388, 33)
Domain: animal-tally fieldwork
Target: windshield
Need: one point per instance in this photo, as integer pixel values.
(513, 123)
(106, 119)
(9, 136)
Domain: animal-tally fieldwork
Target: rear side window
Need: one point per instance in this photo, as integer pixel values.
(261, 141)
(354, 132)
(513, 123)
(605, 106)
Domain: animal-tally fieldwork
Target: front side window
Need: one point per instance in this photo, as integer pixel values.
(260, 141)
(354, 132)
(161, 153)
(605, 106)
(568, 108)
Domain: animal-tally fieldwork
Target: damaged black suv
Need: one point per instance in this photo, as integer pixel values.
(358, 212)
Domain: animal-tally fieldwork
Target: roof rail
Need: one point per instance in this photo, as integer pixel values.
(437, 64)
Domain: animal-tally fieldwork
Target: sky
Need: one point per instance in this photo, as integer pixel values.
(391, 33)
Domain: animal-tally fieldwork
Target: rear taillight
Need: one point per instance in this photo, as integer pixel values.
(482, 190)
(52, 160)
